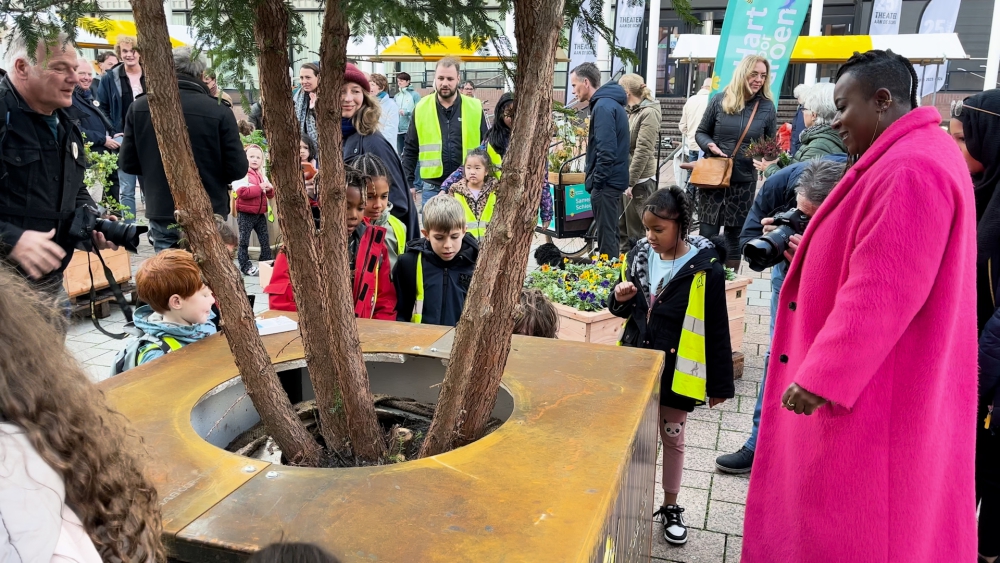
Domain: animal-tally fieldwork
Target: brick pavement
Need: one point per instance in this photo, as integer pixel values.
(713, 502)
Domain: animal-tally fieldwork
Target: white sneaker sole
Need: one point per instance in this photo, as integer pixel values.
(674, 542)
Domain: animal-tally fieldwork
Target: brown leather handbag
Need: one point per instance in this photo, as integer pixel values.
(714, 172)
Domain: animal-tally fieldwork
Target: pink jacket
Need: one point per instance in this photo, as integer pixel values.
(250, 196)
(877, 315)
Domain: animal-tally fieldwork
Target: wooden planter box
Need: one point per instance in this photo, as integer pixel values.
(509, 497)
(566, 178)
(76, 279)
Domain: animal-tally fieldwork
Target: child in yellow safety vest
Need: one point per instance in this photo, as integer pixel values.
(378, 208)
(476, 192)
(673, 294)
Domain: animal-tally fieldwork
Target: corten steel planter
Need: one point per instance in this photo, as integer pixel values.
(568, 477)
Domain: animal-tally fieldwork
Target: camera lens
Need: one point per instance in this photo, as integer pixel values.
(768, 250)
(120, 233)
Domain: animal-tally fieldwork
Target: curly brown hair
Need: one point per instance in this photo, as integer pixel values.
(69, 423)
(534, 315)
(365, 120)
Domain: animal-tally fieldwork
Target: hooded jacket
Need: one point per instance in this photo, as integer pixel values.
(251, 198)
(93, 123)
(215, 140)
(392, 240)
(816, 142)
(152, 323)
(109, 92)
(608, 140)
(660, 328)
(644, 139)
(724, 130)
(445, 283)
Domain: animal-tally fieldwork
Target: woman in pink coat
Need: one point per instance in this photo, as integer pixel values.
(867, 440)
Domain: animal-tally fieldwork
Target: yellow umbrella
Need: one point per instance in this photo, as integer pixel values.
(97, 33)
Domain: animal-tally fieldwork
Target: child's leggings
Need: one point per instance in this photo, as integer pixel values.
(252, 223)
(672, 435)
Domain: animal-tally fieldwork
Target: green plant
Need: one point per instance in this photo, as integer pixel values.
(582, 286)
(570, 134)
(100, 167)
(730, 274)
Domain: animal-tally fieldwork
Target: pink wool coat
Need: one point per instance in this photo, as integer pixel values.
(878, 316)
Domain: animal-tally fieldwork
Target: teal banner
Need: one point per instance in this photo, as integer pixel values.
(758, 27)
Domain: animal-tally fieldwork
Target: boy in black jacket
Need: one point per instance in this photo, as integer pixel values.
(432, 277)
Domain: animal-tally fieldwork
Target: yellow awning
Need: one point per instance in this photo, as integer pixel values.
(107, 33)
(829, 49)
(406, 49)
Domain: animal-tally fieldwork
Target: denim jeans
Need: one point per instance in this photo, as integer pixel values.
(777, 278)
(126, 190)
(162, 236)
(427, 192)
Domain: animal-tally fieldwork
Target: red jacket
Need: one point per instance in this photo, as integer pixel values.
(252, 198)
(374, 294)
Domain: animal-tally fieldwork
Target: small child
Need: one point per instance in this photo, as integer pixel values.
(307, 159)
(432, 277)
(535, 315)
(673, 295)
(378, 209)
(179, 308)
(253, 210)
(476, 192)
(374, 294)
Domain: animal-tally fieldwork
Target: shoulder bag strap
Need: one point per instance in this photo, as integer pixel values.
(746, 129)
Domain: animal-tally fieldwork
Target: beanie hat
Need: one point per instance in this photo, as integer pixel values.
(354, 74)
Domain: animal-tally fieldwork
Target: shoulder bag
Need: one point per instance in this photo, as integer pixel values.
(715, 172)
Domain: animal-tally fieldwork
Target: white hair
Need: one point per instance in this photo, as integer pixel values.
(186, 62)
(17, 49)
(799, 91)
(818, 99)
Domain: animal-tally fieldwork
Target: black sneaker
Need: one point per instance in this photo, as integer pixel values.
(674, 529)
(735, 463)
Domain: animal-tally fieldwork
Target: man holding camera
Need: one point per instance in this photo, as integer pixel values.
(770, 236)
(41, 163)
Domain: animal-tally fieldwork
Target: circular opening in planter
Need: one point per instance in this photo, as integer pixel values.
(226, 412)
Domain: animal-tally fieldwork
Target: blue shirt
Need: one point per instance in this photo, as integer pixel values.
(53, 123)
(662, 271)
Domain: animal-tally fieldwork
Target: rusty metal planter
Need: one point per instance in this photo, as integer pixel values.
(568, 477)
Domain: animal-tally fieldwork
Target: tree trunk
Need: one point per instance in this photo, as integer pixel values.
(302, 245)
(194, 213)
(367, 439)
(482, 338)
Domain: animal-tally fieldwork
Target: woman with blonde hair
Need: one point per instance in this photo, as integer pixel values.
(745, 105)
(73, 486)
(360, 113)
(644, 117)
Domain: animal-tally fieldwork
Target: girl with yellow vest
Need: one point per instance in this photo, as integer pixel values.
(476, 192)
(673, 294)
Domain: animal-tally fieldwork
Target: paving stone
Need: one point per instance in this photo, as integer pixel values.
(730, 488)
(760, 284)
(753, 361)
(734, 547)
(696, 479)
(701, 434)
(754, 338)
(731, 441)
(700, 459)
(737, 421)
(759, 302)
(759, 309)
(725, 517)
(758, 328)
(695, 504)
(751, 320)
(753, 373)
(705, 413)
(746, 388)
(701, 547)
(747, 404)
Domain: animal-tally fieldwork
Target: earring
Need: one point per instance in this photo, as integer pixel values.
(875, 132)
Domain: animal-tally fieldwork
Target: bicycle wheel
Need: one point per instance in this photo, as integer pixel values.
(575, 247)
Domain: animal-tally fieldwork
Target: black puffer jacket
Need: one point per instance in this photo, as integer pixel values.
(724, 130)
(662, 330)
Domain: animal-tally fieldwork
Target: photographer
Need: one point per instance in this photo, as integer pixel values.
(42, 164)
(802, 186)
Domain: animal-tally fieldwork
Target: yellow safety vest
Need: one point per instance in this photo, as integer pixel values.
(398, 229)
(691, 370)
(495, 158)
(425, 117)
(418, 304)
(170, 341)
(476, 226)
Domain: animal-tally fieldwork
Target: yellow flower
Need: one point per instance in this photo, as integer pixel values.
(565, 260)
(546, 267)
(568, 287)
(610, 276)
(621, 257)
(604, 256)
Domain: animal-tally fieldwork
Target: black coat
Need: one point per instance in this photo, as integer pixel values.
(93, 123)
(662, 331)
(445, 283)
(608, 140)
(452, 154)
(41, 176)
(114, 91)
(724, 130)
(215, 141)
(403, 206)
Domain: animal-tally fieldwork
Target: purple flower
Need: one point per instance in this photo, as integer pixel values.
(605, 283)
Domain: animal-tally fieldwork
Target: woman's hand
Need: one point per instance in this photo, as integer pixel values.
(793, 244)
(713, 401)
(800, 401)
(762, 165)
(625, 291)
(716, 150)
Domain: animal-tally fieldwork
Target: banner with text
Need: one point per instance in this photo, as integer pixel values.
(885, 17)
(939, 17)
(768, 28)
(628, 22)
(580, 51)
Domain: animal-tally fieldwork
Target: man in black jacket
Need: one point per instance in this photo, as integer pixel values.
(41, 162)
(607, 151)
(450, 148)
(215, 141)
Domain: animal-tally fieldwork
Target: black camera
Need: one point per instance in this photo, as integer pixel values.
(88, 219)
(769, 249)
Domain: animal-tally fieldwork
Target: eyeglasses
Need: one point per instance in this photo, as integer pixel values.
(957, 106)
(761, 75)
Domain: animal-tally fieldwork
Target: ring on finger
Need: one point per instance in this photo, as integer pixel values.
(790, 404)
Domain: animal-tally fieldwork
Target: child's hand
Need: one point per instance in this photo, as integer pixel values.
(625, 291)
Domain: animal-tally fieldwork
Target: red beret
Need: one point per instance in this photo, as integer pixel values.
(354, 74)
